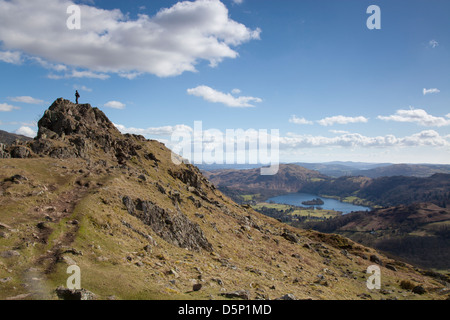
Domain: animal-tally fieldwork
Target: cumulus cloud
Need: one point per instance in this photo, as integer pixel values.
(418, 116)
(115, 105)
(294, 119)
(26, 131)
(26, 99)
(169, 43)
(4, 107)
(428, 91)
(212, 95)
(157, 131)
(341, 120)
(424, 138)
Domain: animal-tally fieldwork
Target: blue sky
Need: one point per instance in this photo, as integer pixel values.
(312, 69)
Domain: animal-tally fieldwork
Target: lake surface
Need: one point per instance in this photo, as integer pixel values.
(296, 199)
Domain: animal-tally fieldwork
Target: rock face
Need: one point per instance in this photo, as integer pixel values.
(68, 130)
(173, 227)
(3, 152)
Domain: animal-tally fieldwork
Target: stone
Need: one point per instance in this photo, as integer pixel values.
(390, 267)
(287, 297)
(290, 237)
(173, 227)
(20, 152)
(240, 294)
(72, 294)
(419, 290)
(376, 259)
(197, 287)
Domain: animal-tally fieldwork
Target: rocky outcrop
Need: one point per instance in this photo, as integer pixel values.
(173, 227)
(68, 130)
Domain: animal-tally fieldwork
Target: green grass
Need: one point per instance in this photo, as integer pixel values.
(324, 214)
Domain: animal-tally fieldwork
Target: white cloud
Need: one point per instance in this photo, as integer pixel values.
(79, 74)
(7, 107)
(424, 138)
(294, 119)
(158, 131)
(169, 43)
(428, 91)
(338, 131)
(341, 120)
(26, 99)
(433, 44)
(115, 105)
(48, 65)
(236, 91)
(11, 57)
(238, 1)
(211, 95)
(26, 131)
(418, 116)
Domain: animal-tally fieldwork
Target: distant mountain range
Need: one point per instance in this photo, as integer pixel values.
(384, 191)
(338, 169)
(10, 138)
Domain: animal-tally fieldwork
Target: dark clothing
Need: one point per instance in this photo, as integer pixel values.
(77, 95)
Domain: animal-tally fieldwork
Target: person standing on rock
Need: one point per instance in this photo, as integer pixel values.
(77, 95)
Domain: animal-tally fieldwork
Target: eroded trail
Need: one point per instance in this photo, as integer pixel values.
(63, 208)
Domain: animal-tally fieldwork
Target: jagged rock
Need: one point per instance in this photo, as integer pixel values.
(4, 154)
(160, 188)
(20, 152)
(190, 176)
(173, 227)
(68, 130)
(68, 294)
(290, 237)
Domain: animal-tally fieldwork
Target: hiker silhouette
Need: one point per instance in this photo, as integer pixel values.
(77, 95)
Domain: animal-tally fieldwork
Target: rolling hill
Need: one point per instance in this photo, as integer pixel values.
(9, 138)
(416, 233)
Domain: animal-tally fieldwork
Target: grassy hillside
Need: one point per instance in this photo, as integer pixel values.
(416, 233)
(140, 227)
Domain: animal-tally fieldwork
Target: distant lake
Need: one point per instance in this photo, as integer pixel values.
(296, 199)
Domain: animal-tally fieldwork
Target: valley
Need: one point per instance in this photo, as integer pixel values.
(409, 220)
